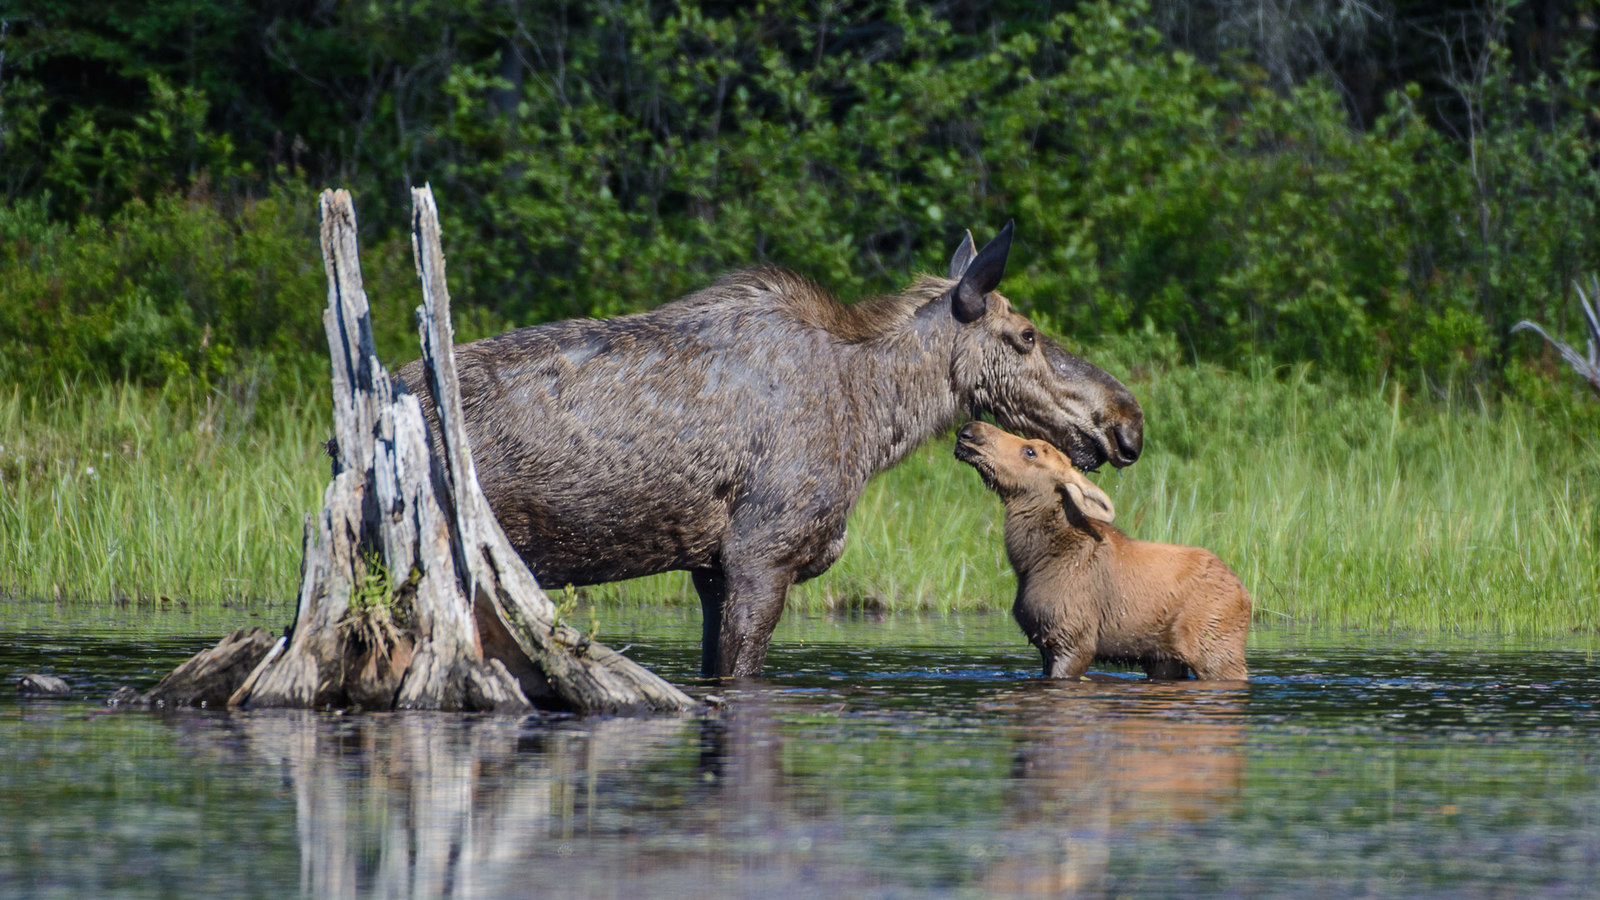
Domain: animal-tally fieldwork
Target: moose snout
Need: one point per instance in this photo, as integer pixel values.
(1127, 439)
(971, 440)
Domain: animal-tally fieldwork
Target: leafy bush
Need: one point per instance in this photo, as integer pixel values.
(598, 160)
(182, 289)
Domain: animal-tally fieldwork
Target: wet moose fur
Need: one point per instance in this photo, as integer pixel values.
(729, 433)
(1086, 591)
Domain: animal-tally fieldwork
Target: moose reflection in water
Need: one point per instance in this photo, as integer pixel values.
(762, 797)
(1094, 759)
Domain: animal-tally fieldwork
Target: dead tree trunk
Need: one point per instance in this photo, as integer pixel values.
(410, 595)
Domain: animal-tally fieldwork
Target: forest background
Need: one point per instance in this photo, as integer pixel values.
(1300, 231)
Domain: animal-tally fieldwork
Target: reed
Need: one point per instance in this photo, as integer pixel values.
(110, 494)
(1339, 505)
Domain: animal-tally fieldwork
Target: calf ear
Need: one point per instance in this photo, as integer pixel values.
(1087, 497)
(981, 276)
(963, 257)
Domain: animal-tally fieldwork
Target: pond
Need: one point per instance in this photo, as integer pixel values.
(908, 757)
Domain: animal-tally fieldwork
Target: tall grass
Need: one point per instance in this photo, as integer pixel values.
(111, 493)
(1339, 505)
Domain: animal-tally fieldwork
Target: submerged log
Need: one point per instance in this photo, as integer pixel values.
(37, 684)
(410, 595)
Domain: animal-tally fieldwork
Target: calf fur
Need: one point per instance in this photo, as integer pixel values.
(1086, 591)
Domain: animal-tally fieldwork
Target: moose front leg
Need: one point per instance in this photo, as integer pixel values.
(753, 602)
(1066, 664)
(1068, 658)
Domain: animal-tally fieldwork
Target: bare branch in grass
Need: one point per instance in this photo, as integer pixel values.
(1588, 367)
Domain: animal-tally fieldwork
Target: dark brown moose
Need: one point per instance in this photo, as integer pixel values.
(1086, 591)
(730, 432)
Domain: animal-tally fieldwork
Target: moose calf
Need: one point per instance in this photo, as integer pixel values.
(1086, 591)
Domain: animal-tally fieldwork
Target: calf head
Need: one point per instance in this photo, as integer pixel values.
(1030, 473)
(1003, 366)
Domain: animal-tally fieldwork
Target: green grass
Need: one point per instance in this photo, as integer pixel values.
(111, 494)
(1339, 505)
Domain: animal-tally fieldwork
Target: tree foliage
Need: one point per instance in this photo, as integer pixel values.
(1169, 171)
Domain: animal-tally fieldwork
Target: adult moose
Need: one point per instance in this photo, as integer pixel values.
(730, 432)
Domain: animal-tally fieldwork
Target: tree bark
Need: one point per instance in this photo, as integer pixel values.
(410, 595)
(212, 676)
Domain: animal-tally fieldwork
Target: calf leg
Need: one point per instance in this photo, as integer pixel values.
(1224, 660)
(1066, 662)
(1212, 639)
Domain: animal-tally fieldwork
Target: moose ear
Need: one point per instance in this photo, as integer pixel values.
(963, 257)
(981, 276)
(1087, 497)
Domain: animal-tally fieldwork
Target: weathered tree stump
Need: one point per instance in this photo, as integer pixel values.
(212, 676)
(410, 595)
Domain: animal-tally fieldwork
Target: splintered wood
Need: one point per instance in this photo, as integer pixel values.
(410, 595)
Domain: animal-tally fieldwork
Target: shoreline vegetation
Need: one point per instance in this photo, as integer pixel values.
(1302, 234)
(1340, 505)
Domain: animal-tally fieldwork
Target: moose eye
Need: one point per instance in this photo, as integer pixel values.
(1029, 452)
(1027, 337)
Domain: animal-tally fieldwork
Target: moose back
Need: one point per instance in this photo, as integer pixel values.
(730, 432)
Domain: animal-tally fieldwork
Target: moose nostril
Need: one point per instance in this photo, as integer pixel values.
(967, 432)
(1129, 442)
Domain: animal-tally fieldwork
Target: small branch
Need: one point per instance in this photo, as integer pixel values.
(1586, 366)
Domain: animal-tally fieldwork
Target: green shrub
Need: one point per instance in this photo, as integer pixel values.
(184, 290)
(599, 160)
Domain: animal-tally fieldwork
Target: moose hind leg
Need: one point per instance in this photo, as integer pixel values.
(1224, 661)
(1214, 646)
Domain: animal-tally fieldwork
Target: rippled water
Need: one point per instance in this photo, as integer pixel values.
(902, 758)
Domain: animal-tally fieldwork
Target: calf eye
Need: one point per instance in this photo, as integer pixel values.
(1029, 452)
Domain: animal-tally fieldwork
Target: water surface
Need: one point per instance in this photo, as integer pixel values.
(912, 757)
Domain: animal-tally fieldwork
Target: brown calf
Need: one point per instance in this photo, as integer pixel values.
(1086, 591)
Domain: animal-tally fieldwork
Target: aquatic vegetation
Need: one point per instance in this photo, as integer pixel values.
(115, 493)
